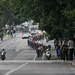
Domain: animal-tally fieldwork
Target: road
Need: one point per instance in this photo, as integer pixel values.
(22, 60)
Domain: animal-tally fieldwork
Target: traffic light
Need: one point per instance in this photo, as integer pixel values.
(8, 20)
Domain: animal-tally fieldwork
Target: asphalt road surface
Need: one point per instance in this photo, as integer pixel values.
(22, 60)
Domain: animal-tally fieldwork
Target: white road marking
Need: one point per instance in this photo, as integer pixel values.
(11, 71)
(9, 47)
(3, 47)
(31, 61)
(35, 56)
(18, 50)
(43, 56)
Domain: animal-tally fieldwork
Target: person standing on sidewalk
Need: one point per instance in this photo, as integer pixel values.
(2, 36)
(8, 32)
(71, 46)
(74, 45)
(65, 52)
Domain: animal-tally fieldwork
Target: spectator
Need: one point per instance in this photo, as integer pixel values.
(2, 36)
(71, 46)
(74, 45)
(65, 52)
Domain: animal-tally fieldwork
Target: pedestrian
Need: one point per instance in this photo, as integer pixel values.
(74, 45)
(71, 47)
(58, 48)
(65, 52)
(8, 32)
(2, 36)
(12, 33)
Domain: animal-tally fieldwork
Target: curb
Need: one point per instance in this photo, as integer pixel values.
(73, 62)
(69, 62)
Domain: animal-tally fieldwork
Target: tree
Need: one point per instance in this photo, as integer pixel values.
(53, 15)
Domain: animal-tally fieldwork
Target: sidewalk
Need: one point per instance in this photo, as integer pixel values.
(5, 38)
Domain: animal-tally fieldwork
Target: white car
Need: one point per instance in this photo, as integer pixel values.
(25, 36)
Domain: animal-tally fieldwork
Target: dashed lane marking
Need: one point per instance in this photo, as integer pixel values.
(19, 53)
(43, 56)
(9, 47)
(35, 56)
(3, 47)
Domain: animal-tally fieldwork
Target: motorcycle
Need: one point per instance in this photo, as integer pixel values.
(48, 54)
(39, 53)
(3, 55)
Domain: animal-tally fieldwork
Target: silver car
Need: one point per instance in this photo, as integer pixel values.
(25, 36)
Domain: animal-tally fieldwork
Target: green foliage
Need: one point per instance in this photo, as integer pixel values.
(56, 17)
(5, 13)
